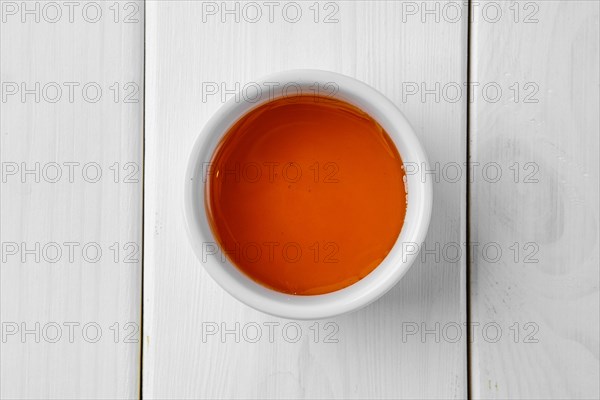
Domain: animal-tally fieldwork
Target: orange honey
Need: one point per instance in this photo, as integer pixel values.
(306, 194)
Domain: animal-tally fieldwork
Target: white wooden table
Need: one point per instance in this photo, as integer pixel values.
(101, 295)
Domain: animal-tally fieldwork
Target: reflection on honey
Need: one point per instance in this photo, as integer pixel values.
(306, 194)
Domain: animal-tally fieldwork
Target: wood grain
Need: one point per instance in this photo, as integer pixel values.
(46, 130)
(373, 357)
(550, 51)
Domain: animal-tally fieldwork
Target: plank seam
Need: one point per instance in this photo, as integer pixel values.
(468, 204)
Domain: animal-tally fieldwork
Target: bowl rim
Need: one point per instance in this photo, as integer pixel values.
(350, 298)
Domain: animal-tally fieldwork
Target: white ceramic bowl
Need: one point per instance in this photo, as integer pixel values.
(353, 297)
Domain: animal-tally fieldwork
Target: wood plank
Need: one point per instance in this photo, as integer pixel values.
(380, 43)
(62, 298)
(544, 55)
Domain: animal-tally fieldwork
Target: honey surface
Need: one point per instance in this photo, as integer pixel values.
(306, 194)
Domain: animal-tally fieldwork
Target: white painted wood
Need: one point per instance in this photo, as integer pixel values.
(556, 217)
(373, 42)
(47, 48)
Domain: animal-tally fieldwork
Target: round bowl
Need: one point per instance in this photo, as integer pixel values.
(384, 276)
